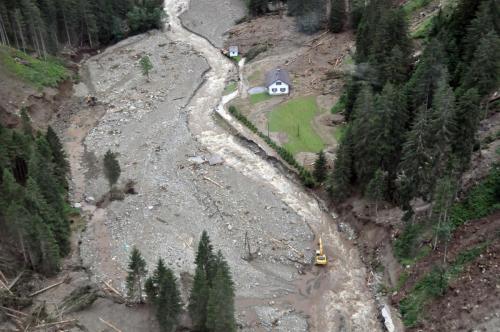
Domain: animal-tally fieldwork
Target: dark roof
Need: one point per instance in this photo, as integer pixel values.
(277, 74)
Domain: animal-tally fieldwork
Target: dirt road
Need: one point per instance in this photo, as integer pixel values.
(157, 126)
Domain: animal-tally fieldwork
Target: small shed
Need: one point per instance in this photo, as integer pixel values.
(278, 82)
(233, 51)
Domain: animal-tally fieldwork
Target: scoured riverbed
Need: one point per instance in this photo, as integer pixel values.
(159, 128)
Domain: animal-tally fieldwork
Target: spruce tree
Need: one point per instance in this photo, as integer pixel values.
(164, 294)
(220, 308)
(416, 160)
(58, 156)
(112, 168)
(320, 167)
(341, 177)
(136, 274)
(467, 116)
(442, 125)
(257, 7)
(482, 73)
(377, 188)
(198, 300)
(205, 256)
(337, 16)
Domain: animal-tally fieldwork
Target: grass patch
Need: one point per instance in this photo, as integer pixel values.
(259, 97)
(305, 176)
(422, 31)
(230, 88)
(294, 118)
(254, 78)
(481, 201)
(339, 105)
(41, 73)
(339, 132)
(236, 58)
(413, 5)
(433, 285)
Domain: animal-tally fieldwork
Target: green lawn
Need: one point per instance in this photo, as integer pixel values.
(294, 118)
(259, 97)
(45, 72)
(230, 88)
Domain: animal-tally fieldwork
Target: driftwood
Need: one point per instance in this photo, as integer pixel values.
(47, 288)
(108, 324)
(14, 311)
(114, 290)
(3, 285)
(16, 279)
(2, 277)
(217, 184)
(62, 322)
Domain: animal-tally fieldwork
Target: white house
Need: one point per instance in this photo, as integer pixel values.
(278, 82)
(233, 51)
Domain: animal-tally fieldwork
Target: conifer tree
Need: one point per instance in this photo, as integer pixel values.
(136, 274)
(416, 160)
(337, 16)
(112, 168)
(220, 308)
(467, 118)
(442, 125)
(198, 300)
(482, 73)
(341, 177)
(58, 156)
(205, 256)
(320, 167)
(377, 188)
(444, 197)
(164, 294)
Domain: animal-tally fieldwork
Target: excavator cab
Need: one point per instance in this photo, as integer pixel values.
(320, 258)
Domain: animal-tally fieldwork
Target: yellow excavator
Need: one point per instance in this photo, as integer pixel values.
(320, 255)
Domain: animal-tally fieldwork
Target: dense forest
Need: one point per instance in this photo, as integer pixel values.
(47, 26)
(412, 125)
(33, 190)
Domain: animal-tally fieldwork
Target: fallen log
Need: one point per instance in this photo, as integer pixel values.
(217, 184)
(62, 322)
(16, 279)
(108, 324)
(47, 288)
(114, 290)
(3, 285)
(14, 311)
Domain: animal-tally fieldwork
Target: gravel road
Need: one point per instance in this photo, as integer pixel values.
(162, 128)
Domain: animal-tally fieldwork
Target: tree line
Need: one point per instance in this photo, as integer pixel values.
(46, 26)
(33, 192)
(412, 127)
(211, 299)
(311, 14)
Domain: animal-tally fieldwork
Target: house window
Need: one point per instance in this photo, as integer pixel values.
(282, 89)
(274, 89)
(278, 83)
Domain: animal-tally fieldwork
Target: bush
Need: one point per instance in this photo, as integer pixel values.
(254, 51)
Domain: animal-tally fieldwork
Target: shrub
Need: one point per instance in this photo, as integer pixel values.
(254, 51)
